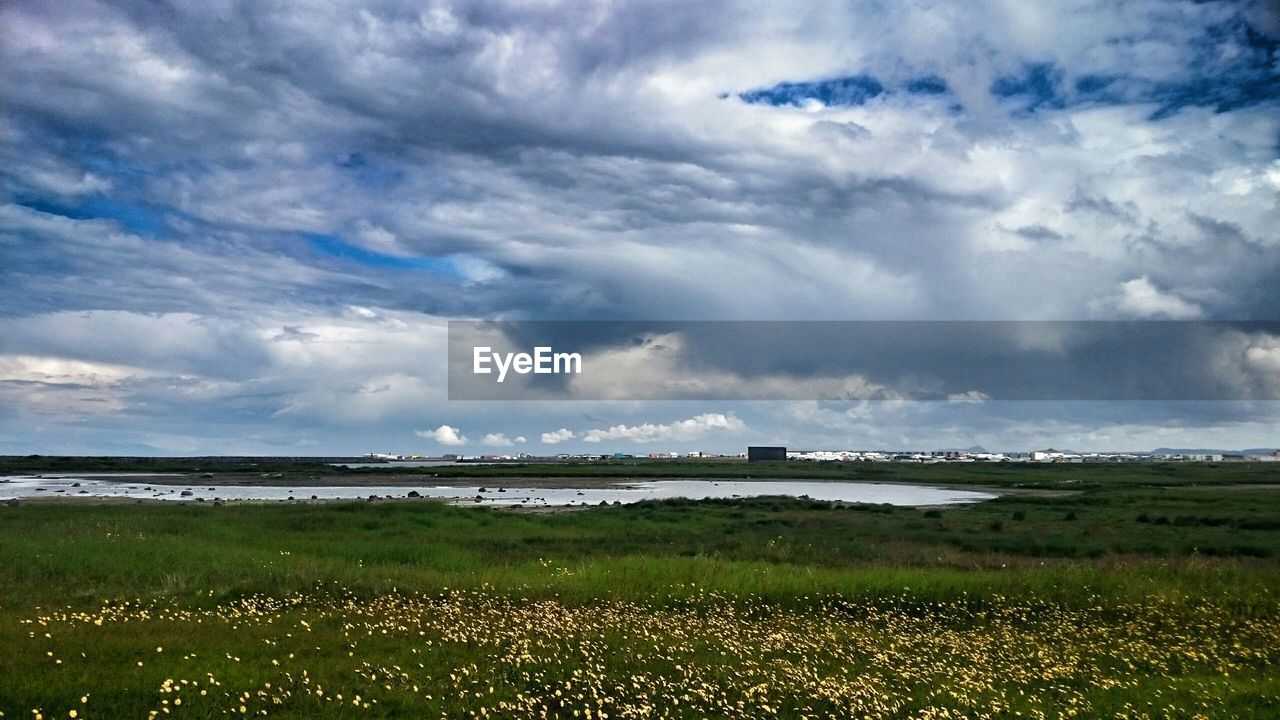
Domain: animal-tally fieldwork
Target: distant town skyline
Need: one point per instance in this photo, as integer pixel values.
(972, 454)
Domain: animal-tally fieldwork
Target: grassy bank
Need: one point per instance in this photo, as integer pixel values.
(1156, 594)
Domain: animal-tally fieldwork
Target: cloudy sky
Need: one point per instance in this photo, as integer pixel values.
(242, 228)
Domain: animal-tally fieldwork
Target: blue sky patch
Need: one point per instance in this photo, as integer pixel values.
(369, 174)
(928, 85)
(850, 91)
(838, 92)
(1234, 66)
(1237, 67)
(137, 218)
(1035, 87)
(335, 247)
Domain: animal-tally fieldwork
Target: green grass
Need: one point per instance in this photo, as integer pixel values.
(1147, 589)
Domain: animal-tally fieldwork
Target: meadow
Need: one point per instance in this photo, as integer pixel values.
(1116, 591)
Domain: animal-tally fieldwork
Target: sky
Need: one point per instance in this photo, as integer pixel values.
(242, 228)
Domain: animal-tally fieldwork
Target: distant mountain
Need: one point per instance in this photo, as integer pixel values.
(1211, 451)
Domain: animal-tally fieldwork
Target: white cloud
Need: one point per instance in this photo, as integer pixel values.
(55, 370)
(972, 396)
(1265, 359)
(520, 439)
(496, 440)
(1248, 364)
(1141, 298)
(682, 431)
(557, 436)
(445, 435)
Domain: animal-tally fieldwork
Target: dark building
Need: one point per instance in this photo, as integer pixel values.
(765, 453)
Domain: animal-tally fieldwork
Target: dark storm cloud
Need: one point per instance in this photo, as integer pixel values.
(904, 360)
(534, 124)
(386, 77)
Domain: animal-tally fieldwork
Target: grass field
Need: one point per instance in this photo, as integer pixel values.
(1129, 591)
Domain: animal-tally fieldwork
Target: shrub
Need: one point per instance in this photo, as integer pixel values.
(1260, 524)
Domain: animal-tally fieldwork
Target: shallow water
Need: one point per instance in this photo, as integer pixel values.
(125, 487)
